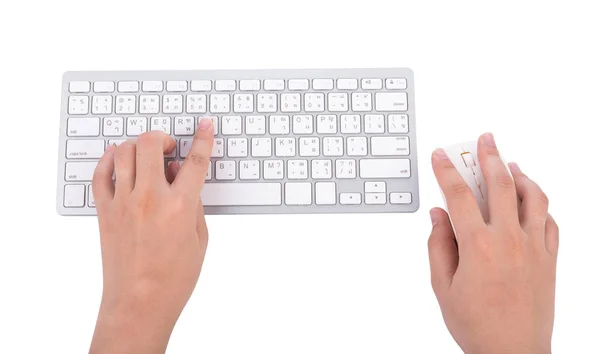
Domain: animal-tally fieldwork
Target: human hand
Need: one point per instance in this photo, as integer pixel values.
(496, 283)
(153, 238)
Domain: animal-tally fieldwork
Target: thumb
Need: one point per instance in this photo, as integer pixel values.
(443, 252)
(192, 174)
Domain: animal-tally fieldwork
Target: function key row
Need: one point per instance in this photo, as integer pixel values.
(233, 85)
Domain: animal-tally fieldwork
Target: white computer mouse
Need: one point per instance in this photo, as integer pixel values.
(464, 158)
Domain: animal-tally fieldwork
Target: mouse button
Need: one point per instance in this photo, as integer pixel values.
(468, 159)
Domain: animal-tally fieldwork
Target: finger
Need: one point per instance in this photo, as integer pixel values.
(103, 186)
(125, 167)
(461, 203)
(502, 194)
(172, 170)
(552, 236)
(150, 157)
(191, 177)
(443, 253)
(534, 205)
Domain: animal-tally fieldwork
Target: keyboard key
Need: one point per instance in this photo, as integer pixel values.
(128, 86)
(309, 146)
(184, 147)
(184, 126)
(384, 168)
(371, 84)
(333, 146)
(298, 84)
(231, 125)
(327, 124)
(285, 147)
(391, 101)
(74, 196)
(85, 149)
(325, 193)
(356, 146)
(243, 103)
(375, 187)
(398, 123)
(274, 85)
(137, 125)
(225, 85)
(273, 169)
(104, 86)
(152, 86)
(249, 169)
(196, 103)
(361, 102)
(102, 104)
(201, 85)
(395, 84)
(314, 102)
(297, 169)
(113, 126)
(321, 169)
(350, 198)
(279, 124)
(218, 149)
(302, 124)
(176, 86)
(161, 123)
(83, 127)
(267, 103)
(172, 104)
(249, 85)
(374, 123)
(219, 103)
(80, 171)
(125, 104)
(243, 193)
(400, 198)
(149, 104)
(237, 147)
(225, 170)
(261, 147)
(298, 193)
(79, 105)
(375, 198)
(255, 125)
(290, 102)
(350, 124)
(390, 146)
(345, 169)
(347, 84)
(322, 84)
(337, 102)
(79, 86)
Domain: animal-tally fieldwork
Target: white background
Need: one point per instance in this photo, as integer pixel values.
(528, 72)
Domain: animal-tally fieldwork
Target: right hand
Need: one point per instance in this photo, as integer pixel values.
(495, 281)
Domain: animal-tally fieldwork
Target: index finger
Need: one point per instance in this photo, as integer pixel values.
(462, 205)
(192, 174)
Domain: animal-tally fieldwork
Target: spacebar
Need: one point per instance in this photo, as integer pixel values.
(231, 194)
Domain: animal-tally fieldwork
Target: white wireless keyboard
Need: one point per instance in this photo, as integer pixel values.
(286, 141)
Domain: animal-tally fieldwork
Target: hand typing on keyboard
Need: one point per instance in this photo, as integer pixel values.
(495, 285)
(153, 237)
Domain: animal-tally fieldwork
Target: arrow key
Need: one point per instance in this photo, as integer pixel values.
(375, 198)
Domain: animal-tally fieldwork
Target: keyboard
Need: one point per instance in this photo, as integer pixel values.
(286, 141)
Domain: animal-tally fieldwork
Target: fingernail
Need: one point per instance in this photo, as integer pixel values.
(434, 217)
(440, 154)
(514, 167)
(205, 124)
(488, 139)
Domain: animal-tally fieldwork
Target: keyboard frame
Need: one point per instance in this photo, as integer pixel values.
(410, 184)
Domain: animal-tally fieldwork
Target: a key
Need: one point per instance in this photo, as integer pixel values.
(102, 104)
(243, 103)
(298, 193)
(350, 124)
(152, 86)
(136, 125)
(128, 86)
(78, 105)
(297, 169)
(267, 103)
(161, 123)
(400, 198)
(279, 124)
(391, 101)
(255, 125)
(104, 86)
(384, 168)
(309, 146)
(321, 169)
(337, 102)
(74, 196)
(79, 86)
(333, 146)
(273, 169)
(371, 84)
(374, 123)
(176, 86)
(85, 149)
(261, 147)
(325, 193)
(322, 84)
(375, 198)
(395, 84)
(390, 146)
(184, 126)
(219, 103)
(249, 169)
(218, 148)
(362, 102)
(347, 84)
(290, 102)
(345, 169)
(250, 193)
(80, 171)
(149, 104)
(125, 104)
(201, 85)
(249, 85)
(274, 85)
(173, 104)
(356, 146)
(298, 84)
(225, 85)
(350, 198)
(285, 147)
(83, 127)
(326, 124)
(237, 147)
(302, 124)
(113, 126)
(398, 123)
(314, 102)
(225, 170)
(375, 187)
(231, 125)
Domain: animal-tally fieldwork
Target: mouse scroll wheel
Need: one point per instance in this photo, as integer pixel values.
(468, 159)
